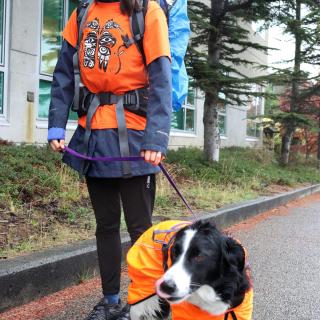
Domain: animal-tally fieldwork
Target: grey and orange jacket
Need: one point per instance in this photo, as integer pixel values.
(124, 71)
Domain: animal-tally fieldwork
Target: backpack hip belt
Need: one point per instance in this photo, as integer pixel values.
(134, 101)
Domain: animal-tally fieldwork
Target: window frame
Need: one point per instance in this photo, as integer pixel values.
(41, 25)
(4, 65)
(43, 122)
(259, 110)
(223, 113)
(188, 106)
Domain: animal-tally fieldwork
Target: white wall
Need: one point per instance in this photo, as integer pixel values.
(19, 123)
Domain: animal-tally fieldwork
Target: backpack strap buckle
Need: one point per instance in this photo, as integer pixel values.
(108, 98)
(131, 98)
(84, 4)
(127, 41)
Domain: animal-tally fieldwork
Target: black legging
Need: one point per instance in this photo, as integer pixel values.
(137, 196)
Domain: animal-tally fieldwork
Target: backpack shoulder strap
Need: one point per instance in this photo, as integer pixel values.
(82, 12)
(165, 6)
(137, 20)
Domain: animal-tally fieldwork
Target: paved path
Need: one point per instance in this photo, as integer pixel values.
(284, 253)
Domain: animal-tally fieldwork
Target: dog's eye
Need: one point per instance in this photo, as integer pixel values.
(175, 252)
(199, 258)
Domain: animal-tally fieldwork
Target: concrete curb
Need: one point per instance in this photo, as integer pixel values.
(233, 214)
(27, 278)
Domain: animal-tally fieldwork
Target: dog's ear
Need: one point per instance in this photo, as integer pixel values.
(234, 253)
(205, 227)
(199, 225)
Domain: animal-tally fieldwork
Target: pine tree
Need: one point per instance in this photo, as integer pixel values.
(301, 19)
(215, 56)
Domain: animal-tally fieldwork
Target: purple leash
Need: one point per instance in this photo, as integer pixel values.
(131, 158)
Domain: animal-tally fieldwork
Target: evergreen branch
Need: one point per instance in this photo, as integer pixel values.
(239, 4)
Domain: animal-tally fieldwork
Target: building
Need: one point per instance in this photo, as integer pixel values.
(30, 37)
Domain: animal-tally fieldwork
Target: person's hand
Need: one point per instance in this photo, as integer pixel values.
(152, 157)
(57, 145)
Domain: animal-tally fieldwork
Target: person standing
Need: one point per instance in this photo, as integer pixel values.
(113, 71)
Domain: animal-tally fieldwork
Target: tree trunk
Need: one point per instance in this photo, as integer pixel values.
(307, 137)
(285, 146)
(210, 122)
(297, 59)
(308, 151)
(294, 105)
(210, 115)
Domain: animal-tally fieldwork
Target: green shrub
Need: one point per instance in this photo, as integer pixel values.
(242, 167)
(44, 203)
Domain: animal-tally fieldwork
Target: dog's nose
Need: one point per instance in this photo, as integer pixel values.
(168, 286)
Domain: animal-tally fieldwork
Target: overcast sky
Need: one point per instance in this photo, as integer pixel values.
(285, 44)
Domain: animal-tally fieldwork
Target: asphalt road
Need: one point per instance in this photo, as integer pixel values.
(284, 253)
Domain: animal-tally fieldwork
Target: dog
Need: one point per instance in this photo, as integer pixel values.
(189, 269)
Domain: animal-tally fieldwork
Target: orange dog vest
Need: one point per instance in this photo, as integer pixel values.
(145, 267)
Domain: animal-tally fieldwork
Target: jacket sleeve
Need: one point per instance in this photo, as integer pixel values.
(156, 136)
(62, 92)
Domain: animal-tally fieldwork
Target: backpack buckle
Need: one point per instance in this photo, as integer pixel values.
(107, 98)
(84, 4)
(131, 98)
(126, 40)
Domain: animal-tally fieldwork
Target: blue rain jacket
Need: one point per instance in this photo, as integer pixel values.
(179, 32)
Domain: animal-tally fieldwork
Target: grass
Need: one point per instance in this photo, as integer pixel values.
(44, 203)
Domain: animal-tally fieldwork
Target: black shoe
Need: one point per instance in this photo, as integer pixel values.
(125, 313)
(105, 311)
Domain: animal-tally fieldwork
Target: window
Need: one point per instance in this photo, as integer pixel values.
(184, 119)
(55, 13)
(222, 119)
(3, 56)
(1, 92)
(258, 28)
(255, 108)
(52, 25)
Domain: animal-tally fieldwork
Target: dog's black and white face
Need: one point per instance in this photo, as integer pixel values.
(208, 270)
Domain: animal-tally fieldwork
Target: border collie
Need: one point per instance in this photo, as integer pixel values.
(208, 278)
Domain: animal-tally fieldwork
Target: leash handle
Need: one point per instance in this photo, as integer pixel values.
(131, 158)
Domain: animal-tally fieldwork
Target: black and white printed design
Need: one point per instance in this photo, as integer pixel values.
(90, 44)
(99, 42)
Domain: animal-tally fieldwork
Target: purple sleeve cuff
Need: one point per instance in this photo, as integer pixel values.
(56, 134)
